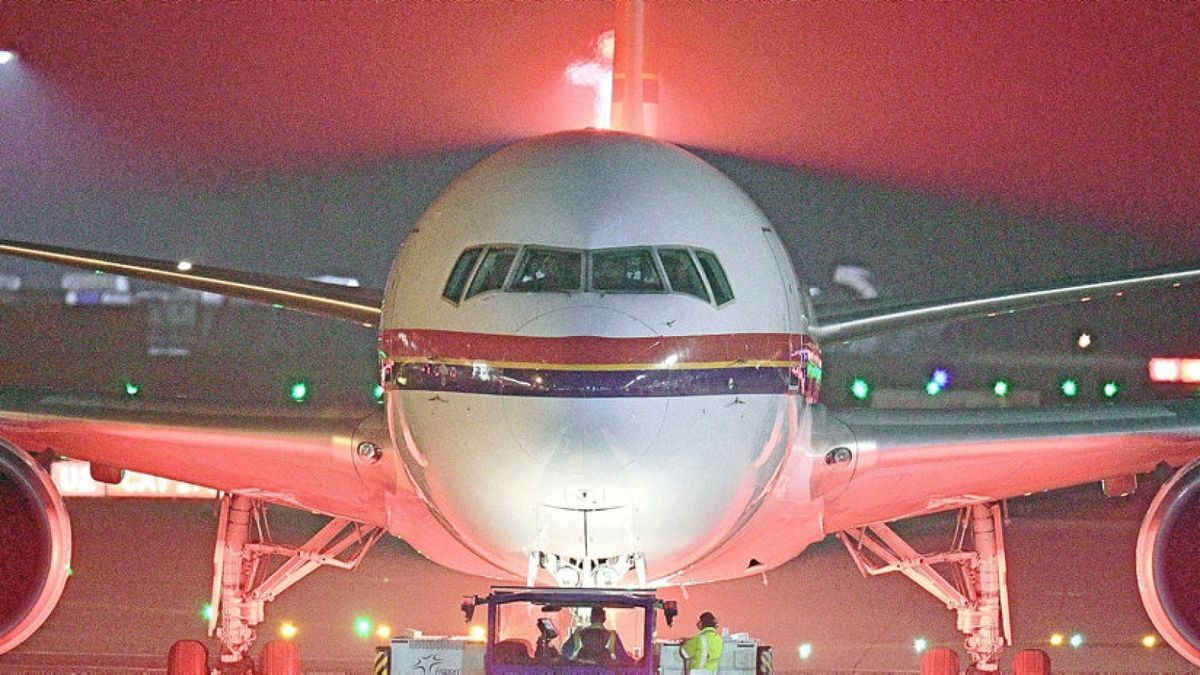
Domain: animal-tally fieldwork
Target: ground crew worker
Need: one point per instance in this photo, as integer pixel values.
(594, 643)
(702, 652)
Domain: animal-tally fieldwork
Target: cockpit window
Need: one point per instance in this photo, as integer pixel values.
(460, 274)
(628, 270)
(540, 269)
(682, 273)
(548, 270)
(722, 293)
(493, 270)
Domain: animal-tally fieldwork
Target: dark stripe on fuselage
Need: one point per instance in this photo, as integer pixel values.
(402, 344)
(600, 367)
(592, 383)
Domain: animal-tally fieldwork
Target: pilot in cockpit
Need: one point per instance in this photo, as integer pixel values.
(543, 272)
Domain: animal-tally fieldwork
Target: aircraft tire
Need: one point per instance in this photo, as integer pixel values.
(1031, 662)
(187, 657)
(939, 661)
(279, 657)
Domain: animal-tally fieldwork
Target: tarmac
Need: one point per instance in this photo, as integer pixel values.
(142, 574)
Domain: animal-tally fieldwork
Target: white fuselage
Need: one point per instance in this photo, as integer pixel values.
(589, 424)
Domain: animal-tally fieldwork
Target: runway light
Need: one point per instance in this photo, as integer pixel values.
(1000, 388)
(477, 633)
(1076, 640)
(805, 650)
(1172, 370)
(933, 388)
(298, 391)
(1150, 641)
(1189, 370)
(363, 626)
(7, 56)
(1111, 389)
(860, 389)
(940, 377)
(1057, 639)
(132, 388)
(206, 611)
(288, 630)
(184, 266)
(1084, 341)
(1069, 388)
(383, 631)
(920, 645)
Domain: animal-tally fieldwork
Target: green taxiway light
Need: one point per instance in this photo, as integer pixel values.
(206, 611)
(1069, 388)
(298, 391)
(860, 389)
(1111, 389)
(1000, 388)
(132, 388)
(362, 627)
(920, 645)
(933, 388)
(378, 393)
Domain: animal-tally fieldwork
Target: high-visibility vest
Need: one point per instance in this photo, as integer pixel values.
(575, 645)
(703, 650)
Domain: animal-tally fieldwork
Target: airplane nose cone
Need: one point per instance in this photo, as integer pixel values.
(604, 431)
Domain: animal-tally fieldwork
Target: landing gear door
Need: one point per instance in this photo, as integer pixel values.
(562, 531)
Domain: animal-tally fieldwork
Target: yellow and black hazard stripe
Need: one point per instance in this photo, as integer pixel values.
(764, 661)
(383, 661)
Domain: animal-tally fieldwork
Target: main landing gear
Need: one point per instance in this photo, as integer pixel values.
(242, 588)
(977, 589)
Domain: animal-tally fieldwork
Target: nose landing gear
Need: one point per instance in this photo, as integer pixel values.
(587, 572)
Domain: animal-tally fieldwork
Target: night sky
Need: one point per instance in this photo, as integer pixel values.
(949, 147)
(1078, 108)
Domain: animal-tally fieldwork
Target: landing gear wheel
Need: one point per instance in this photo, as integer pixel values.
(1031, 662)
(279, 657)
(939, 661)
(187, 657)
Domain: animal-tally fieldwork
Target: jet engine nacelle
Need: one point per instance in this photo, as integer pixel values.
(35, 546)
(1168, 552)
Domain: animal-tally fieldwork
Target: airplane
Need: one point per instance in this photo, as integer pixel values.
(601, 369)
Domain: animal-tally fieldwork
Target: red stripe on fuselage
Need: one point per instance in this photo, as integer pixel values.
(399, 343)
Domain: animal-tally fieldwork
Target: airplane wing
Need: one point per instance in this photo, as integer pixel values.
(300, 457)
(914, 462)
(360, 305)
(339, 462)
(848, 323)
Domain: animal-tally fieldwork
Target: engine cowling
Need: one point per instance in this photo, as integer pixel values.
(35, 546)
(1168, 552)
